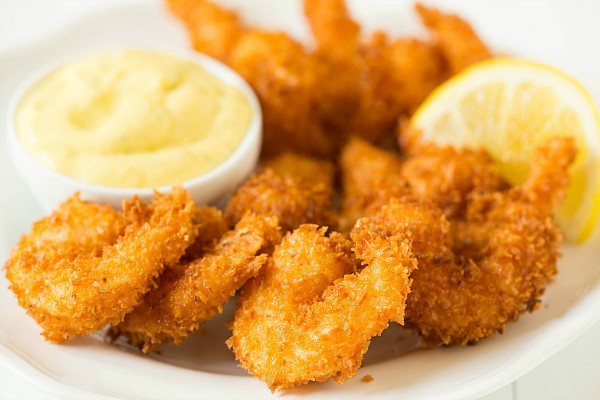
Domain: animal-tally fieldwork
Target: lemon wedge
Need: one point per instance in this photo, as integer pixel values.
(511, 106)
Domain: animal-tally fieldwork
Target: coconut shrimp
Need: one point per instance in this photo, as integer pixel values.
(481, 271)
(86, 266)
(190, 293)
(318, 313)
(296, 189)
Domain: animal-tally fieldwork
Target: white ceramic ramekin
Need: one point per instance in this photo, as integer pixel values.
(50, 188)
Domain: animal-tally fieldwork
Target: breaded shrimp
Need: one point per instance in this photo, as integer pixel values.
(418, 68)
(286, 79)
(86, 266)
(212, 29)
(336, 33)
(209, 225)
(481, 272)
(338, 41)
(365, 166)
(443, 175)
(288, 196)
(370, 177)
(457, 40)
(396, 76)
(368, 85)
(319, 317)
(311, 170)
(191, 293)
(448, 176)
(313, 100)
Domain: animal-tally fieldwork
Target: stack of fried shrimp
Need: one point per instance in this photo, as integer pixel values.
(314, 99)
(333, 237)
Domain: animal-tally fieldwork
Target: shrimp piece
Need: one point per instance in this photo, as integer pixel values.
(213, 30)
(456, 39)
(209, 225)
(478, 273)
(287, 82)
(373, 82)
(370, 177)
(443, 175)
(448, 176)
(286, 78)
(318, 315)
(191, 293)
(418, 68)
(396, 76)
(86, 266)
(336, 33)
(544, 188)
(337, 36)
(311, 170)
(378, 105)
(300, 192)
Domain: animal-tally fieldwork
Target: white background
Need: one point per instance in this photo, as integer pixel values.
(573, 373)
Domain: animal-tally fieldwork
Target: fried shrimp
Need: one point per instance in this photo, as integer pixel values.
(480, 272)
(443, 175)
(191, 293)
(293, 188)
(370, 177)
(286, 79)
(319, 316)
(209, 225)
(448, 176)
(373, 82)
(313, 171)
(313, 100)
(86, 266)
(337, 36)
(458, 42)
(284, 75)
(213, 30)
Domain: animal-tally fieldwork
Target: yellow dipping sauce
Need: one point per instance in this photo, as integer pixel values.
(132, 118)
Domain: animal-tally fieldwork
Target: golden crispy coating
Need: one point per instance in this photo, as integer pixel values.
(283, 74)
(337, 36)
(290, 198)
(319, 324)
(364, 166)
(443, 175)
(379, 92)
(213, 30)
(485, 253)
(312, 101)
(336, 33)
(286, 80)
(418, 68)
(86, 266)
(456, 39)
(311, 170)
(367, 86)
(191, 293)
(543, 187)
(370, 176)
(396, 76)
(480, 272)
(447, 176)
(209, 225)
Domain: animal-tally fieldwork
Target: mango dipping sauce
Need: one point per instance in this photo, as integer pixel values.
(132, 118)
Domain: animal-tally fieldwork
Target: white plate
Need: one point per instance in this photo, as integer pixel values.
(560, 33)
